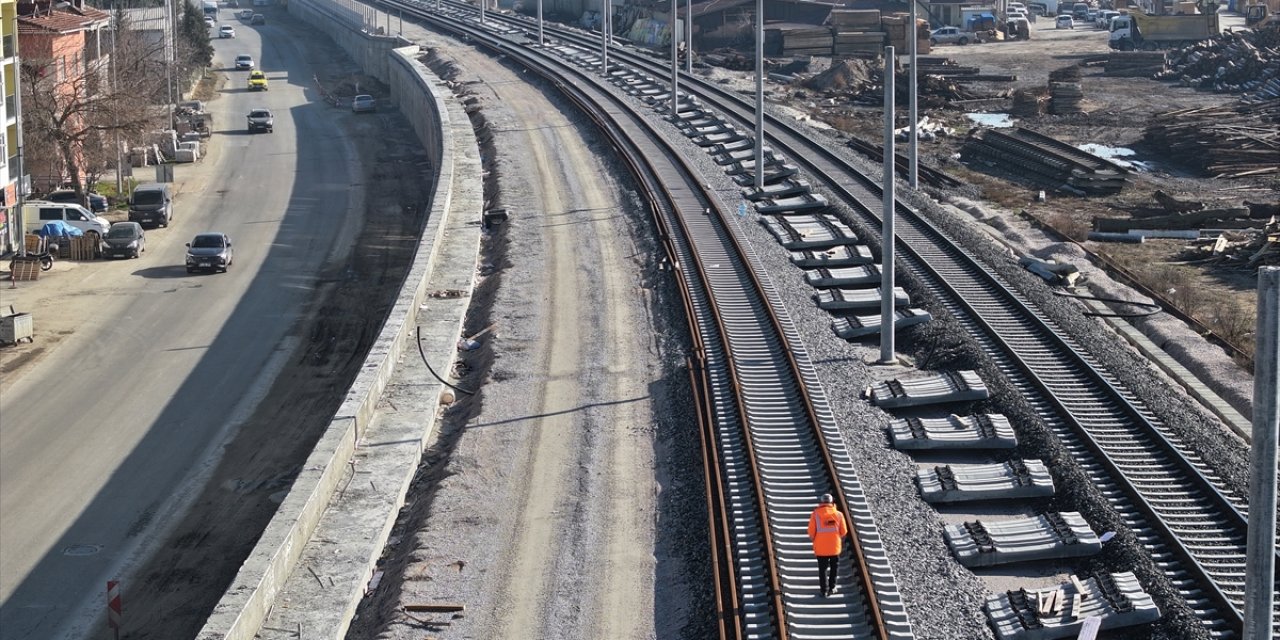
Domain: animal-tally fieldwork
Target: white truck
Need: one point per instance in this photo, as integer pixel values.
(1044, 7)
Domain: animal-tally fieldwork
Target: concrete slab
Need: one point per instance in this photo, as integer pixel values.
(983, 431)
(861, 326)
(933, 388)
(1047, 536)
(967, 482)
(864, 300)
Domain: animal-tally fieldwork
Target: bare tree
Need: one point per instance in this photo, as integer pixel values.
(70, 107)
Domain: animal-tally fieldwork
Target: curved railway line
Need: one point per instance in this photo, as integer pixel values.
(778, 446)
(768, 428)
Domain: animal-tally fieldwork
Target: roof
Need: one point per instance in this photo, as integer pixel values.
(703, 8)
(63, 19)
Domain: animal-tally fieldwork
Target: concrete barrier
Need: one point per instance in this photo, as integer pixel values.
(446, 134)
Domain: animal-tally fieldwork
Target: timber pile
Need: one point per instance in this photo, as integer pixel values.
(1223, 142)
(1065, 97)
(817, 41)
(1028, 102)
(1245, 62)
(1134, 64)
(1240, 251)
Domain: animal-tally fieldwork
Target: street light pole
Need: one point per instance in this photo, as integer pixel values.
(604, 38)
(688, 35)
(541, 40)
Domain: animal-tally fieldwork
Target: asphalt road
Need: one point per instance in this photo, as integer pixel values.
(103, 441)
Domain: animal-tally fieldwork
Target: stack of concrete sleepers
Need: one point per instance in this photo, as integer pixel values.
(934, 388)
(1046, 536)
(982, 431)
(999, 481)
(855, 300)
(1046, 614)
(855, 327)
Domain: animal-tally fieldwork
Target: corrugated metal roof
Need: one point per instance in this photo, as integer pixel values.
(62, 20)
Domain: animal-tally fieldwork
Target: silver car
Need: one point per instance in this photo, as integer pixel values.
(209, 252)
(363, 103)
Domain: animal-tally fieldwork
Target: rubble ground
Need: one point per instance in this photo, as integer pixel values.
(1115, 111)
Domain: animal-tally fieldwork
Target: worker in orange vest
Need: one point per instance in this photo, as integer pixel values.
(827, 527)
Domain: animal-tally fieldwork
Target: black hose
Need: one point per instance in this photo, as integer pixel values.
(1152, 308)
(433, 371)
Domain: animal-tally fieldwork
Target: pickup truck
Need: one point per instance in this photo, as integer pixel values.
(261, 120)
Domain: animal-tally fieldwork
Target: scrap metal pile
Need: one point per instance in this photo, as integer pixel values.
(1223, 142)
(1246, 62)
(1044, 161)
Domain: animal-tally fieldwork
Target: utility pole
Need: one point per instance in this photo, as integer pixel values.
(541, 40)
(19, 188)
(759, 95)
(604, 38)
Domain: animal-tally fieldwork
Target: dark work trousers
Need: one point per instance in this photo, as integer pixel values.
(827, 570)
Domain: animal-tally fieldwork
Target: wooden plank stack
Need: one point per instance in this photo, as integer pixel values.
(1134, 64)
(817, 41)
(1223, 142)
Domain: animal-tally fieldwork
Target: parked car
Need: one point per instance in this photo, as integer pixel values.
(36, 213)
(226, 31)
(97, 202)
(261, 120)
(244, 61)
(125, 240)
(952, 35)
(258, 18)
(257, 80)
(151, 203)
(1064, 22)
(363, 103)
(209, 252)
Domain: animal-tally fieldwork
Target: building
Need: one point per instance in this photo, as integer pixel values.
(10, 234)
(68, 41)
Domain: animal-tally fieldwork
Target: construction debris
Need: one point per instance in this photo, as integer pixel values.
(1223, 142)
(1028, 102)
(1044, 161)
(1245, 62)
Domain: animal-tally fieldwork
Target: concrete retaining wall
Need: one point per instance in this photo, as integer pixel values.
(346, 28)
(446, 134)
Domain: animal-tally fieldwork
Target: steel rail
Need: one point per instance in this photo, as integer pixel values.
(742, 378)
(1216, 560)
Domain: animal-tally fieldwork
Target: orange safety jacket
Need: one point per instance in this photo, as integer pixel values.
(826, 529)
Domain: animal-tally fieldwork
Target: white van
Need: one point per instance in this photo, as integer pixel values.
(36, 213)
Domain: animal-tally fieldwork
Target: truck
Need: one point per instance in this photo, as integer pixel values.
(1261, 12)
(1139, 30)
(210, 8)
(1044, 7)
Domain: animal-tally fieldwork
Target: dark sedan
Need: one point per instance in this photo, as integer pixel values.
(97, 202)
(209, 252)
(125, 240)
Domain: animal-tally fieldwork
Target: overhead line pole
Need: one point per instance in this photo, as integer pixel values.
(541, 40)
(759, 95)
(914, 144)
(675, 64)
(887, 297)
(1260, 559)
(604, 38)
(688, 35)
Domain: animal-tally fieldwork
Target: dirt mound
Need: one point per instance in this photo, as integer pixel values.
(846, 75)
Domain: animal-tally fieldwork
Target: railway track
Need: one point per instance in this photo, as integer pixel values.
(772, 444)
(1193, 528)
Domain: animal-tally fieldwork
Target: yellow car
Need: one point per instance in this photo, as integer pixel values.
(257, 80)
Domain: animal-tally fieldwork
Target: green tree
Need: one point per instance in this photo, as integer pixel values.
(194, 49)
